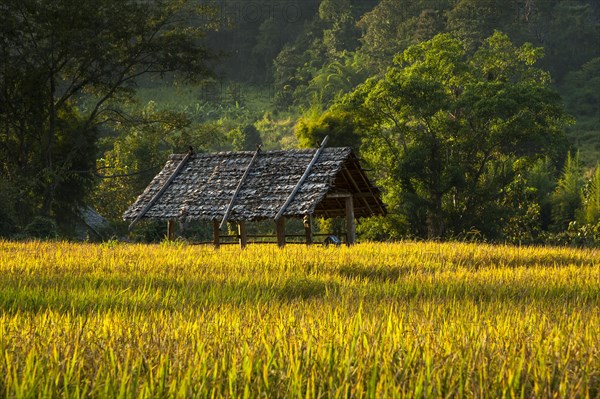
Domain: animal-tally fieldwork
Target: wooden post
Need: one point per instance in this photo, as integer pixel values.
(308, 228)
(243, 234)
(281, 232)
(350, 226)
(170, 230)
(216, 232)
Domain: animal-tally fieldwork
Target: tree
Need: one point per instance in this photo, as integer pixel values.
(66, 65)
(567, 197)
(312, 128)
(474, 20)
(573, 37)
(319, 58)
(591, 200)
(393, 25)
(581, 90)
(448, 131)
(130, 160)
(340, 33)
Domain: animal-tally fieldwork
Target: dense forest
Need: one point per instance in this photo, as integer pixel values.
(479, 119)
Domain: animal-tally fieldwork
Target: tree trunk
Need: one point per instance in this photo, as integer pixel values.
(51, 183)
(435, 219)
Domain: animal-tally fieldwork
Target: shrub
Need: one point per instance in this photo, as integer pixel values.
(42, 227)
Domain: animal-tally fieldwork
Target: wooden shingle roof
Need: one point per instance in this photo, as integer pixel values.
(205, 184)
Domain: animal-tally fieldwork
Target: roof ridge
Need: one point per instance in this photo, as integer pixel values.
(268, 152)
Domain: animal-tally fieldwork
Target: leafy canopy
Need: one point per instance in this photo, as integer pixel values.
(449, 130)
(66, 68)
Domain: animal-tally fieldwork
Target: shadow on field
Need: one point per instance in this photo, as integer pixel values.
(142, 293)
(305, 288)
(379, 274)
(83, 294)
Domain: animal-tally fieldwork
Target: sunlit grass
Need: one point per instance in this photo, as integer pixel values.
(374, 320)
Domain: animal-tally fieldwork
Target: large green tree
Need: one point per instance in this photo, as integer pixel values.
(65, 66)
(393, 25)
(448, 130)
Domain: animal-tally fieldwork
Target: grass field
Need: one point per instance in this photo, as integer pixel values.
(375, 320)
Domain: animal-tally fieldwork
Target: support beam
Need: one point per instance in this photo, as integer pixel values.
(239, 187)
(366, 181)
(243, 234)
(338, 194)
(351, 179)
(301, 181)
(308, 229)
(280, 232)
(350, 226)
(216, 238)
(170, 230)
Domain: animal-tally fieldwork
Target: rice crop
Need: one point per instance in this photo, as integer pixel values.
(414, 320)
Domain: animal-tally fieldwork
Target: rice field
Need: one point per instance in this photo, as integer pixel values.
(414, 320)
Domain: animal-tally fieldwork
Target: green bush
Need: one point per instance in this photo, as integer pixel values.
(42, 227)
(7, 223)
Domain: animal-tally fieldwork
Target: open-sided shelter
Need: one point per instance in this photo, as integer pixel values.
(248, 186)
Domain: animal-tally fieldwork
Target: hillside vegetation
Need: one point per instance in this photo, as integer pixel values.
(504, 127)
(374, 320)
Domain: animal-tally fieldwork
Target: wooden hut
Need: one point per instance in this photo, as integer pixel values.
(249, 186)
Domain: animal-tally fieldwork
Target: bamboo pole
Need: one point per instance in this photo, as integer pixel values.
(304, 176)
(239, 187)
(161, 191)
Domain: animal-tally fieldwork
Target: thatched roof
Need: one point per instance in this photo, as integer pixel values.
(204, 185)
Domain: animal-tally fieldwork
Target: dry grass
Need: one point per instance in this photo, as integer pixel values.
(374, 320)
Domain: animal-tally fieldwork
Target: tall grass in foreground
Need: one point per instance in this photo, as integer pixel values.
(375, 320)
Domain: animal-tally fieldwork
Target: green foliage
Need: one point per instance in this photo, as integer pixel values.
(576, 235)
(136, 154)
(450, 130)
(474, 20)
(42, 228)
(573, 33)
(581, 90)
(334, 79)
(591, 199)
(149, 232)
(523, 224)
(338, 124)
(566, 199)
(392, 26)
(8, 211)
(246, 138)
(7, 222)
(319, 61)
(66, 67)
(389, 228)
(340, 33)
(541, 178)
(92, 59)
(277, 132)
